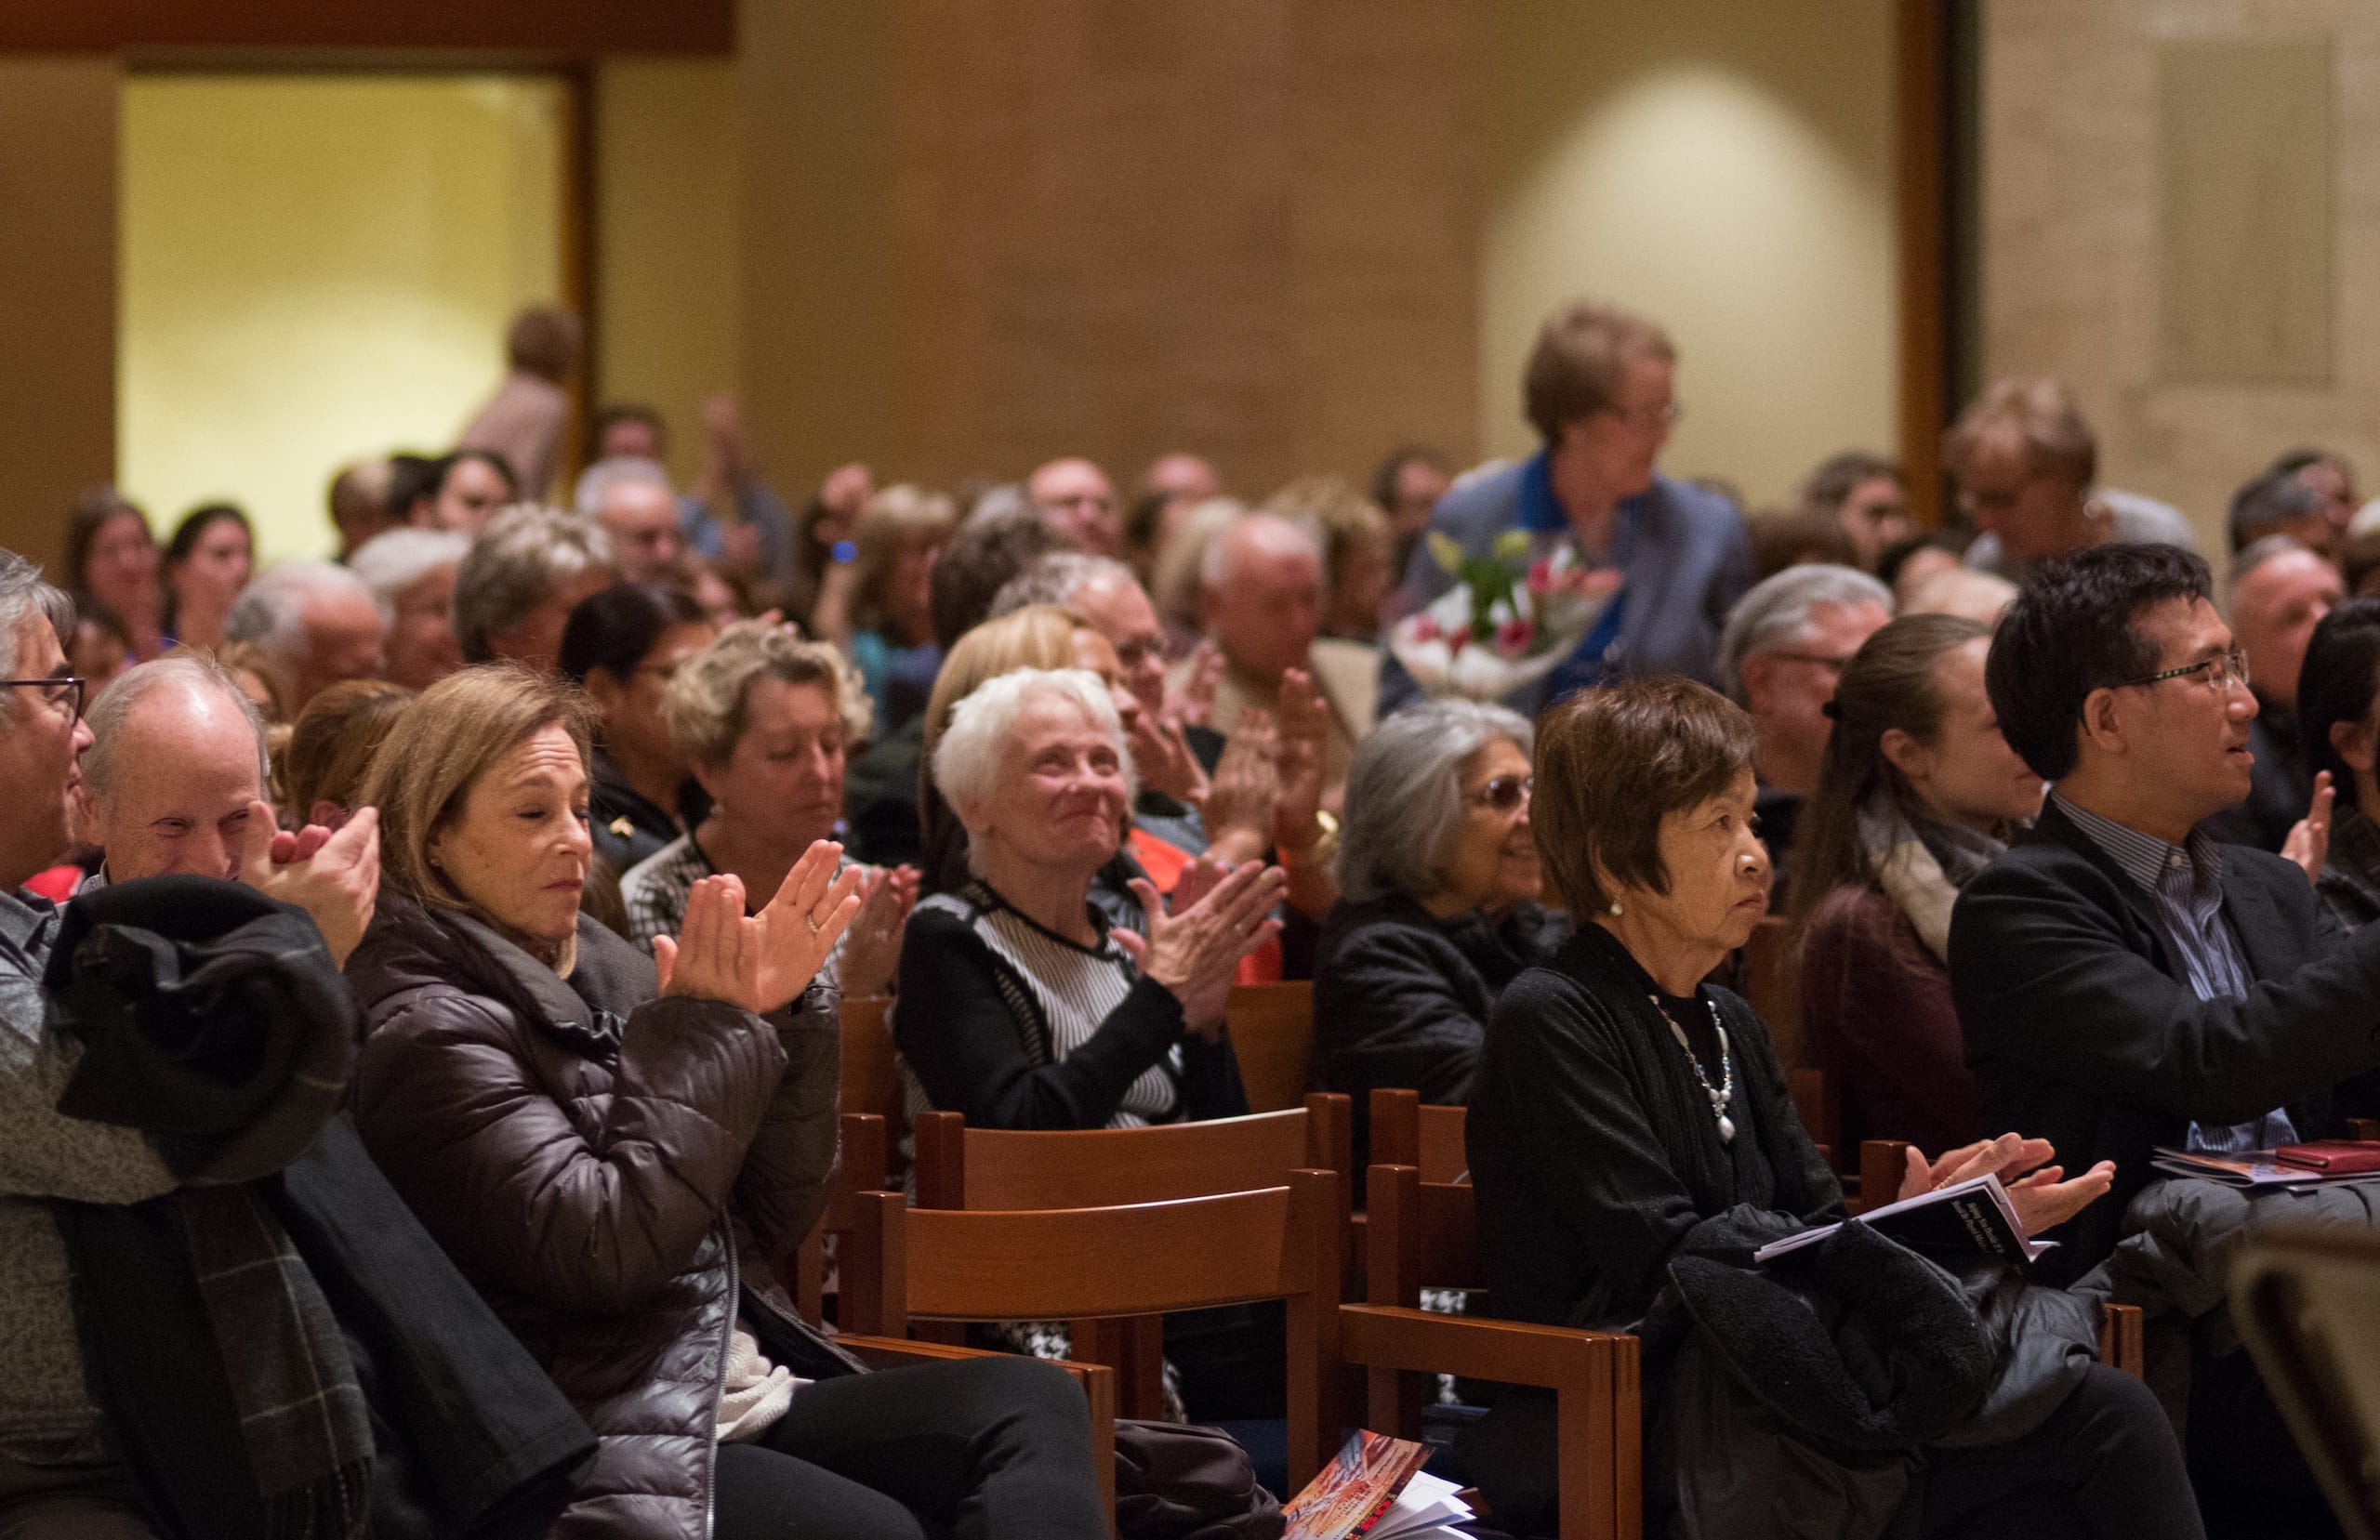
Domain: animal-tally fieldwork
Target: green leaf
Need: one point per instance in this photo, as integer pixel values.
(1445, 552)
(1512, 547)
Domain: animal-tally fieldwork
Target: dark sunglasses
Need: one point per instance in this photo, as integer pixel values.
(1505, 793)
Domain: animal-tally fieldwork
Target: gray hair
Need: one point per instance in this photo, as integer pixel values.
(1056, 578)
(1779, 610)
(523, 554)
(195, 670)
(1215, 562)
(270, 611)
(24, 593)
(2265, 504)
(387, 564)
(1404, 800)
(967, 761)
(596, 481)
(2255, 556)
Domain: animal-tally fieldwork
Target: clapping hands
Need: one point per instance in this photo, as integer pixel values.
(1195, 952)
(761, 962)
(2043, 1198)
(873, 953)
(335, 877)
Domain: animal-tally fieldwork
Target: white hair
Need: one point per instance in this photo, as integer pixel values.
(1266, 532)
(596, 481)
(1781, 611)
(390, 563)
(525, 554)
(967, 762)
(1404, 803)
(127, 689)
(270, 611)
(1057, 577)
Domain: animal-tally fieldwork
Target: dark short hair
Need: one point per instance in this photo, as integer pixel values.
(2269, 505)
(1837, 477)
(1390, 471)
(981, 558)
(1895, 556)
(2340, 677)
(615, 628)
(625, 411)
(411, 478)
(2073, 630)
(488, 457)
(196, 523)
(1612, 763)
(95, 510)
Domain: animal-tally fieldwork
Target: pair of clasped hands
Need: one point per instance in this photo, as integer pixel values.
(2044, 1197)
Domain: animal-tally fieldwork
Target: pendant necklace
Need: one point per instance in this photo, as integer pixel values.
(1726, 1093)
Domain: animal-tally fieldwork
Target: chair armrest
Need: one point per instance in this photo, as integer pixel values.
(2121, 1344)
(1513, 1352)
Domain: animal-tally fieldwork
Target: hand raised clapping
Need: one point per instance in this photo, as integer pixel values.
(760, 962)
(873, 953)
(1193, 954)
(2042, 1200)
(335, 877)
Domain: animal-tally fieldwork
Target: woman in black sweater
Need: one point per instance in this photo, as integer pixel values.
(1438, 881)
(1633, 1143)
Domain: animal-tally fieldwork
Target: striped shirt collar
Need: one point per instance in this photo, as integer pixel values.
(2147, 858)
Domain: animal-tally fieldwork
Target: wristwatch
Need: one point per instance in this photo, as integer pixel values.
(1319, 850)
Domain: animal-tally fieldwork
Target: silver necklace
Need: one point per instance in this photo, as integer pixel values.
(1727, 1091)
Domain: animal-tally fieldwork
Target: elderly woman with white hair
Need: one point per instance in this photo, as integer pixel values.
(411, 575)
(1021, 1006)
(1439, 881)
(526, 572)
(1780, 657)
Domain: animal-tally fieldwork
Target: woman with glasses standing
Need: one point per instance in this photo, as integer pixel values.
(1438, 881)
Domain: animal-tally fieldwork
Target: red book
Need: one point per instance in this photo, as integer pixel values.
(2334, 1157)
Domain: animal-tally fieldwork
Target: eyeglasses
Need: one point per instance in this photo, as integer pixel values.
(2222, 671)
(1505, 793)
(55, 691)
(1647, 418)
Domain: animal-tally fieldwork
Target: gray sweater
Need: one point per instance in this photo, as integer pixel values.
(45, 1414)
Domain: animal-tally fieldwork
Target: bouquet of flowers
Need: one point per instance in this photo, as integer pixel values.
(1508, 621)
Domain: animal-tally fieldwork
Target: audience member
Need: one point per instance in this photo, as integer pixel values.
(1177, 576)
(498, 1012)
(318, 624)
(731, 517)
(1979, 597)
(2025, 464)
(1109, 1032)
(1797, 537)
(2278, 592)
(1148, 524)
(111, 556)
(631, 499)
(1180, 474)
(1597, 390)
(259, 677)
(208, 562)
(461, 492)
(626, 430)
(880, 792)
(722, 597)
(522, 577)
(1439, 880)
(178, 762)
(1078, 501)
(2331, 479)
(1356, 577)
(2339, 733)
(361, 503)
(762, 721)
(1908, 563)
(1867, 496)
(411, 575)
(2219, 1017)
(623, 645)
(101, 646)
(1407, 486)
(887, 625)
(1261, 600)
(1782, 652)
(2276, 504)
(523, 420)
(1631, 1136)
(331, 747)
(1917, 794)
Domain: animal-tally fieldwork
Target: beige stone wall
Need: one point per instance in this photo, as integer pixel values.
(2085, 233)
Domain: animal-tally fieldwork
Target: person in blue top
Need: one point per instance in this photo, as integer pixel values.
(1598, 389)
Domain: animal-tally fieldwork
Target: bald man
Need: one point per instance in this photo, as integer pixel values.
(1076, 498)
(1260, 599)
(1191, 478)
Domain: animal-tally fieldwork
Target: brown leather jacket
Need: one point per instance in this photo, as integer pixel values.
(585, 1152)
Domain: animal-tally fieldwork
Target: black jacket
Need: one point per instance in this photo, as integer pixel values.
(1401, 997)
(2082, 1028)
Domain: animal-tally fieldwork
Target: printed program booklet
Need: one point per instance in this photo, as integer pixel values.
(1376, 1488)
(1963, 1219)
(2252, 1169)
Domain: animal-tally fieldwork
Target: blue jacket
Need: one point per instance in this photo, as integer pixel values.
(1686, 553)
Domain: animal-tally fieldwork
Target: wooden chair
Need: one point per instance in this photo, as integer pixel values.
(1773, 990)
(903, 1265)
(871, 1077)
(1272, 1033)
(1000, 1169)
(864, 1152)
(1408, 1131)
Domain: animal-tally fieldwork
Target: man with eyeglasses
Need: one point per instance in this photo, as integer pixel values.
(1598, 390)
(2026, 462)
(2124, 983)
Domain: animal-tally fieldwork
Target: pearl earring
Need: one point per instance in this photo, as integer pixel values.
(1615, 906)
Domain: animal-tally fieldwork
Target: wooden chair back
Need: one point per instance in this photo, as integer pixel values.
(871, 1078)
(1773, 989)
(903, 1265)
(1408, 1131)
(963, 1168)
(864, 1152)
(1272, 1033)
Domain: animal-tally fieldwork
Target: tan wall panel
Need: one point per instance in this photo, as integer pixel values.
(58, 181)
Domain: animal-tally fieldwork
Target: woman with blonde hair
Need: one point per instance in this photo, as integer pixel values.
(594, 1136)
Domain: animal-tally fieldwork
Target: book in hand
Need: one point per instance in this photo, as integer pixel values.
(1968, 1218)
(1376, 1488)
(2255, 1168)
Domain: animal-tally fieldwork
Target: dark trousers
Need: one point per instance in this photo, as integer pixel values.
(983, 1449)
(2105, 1465)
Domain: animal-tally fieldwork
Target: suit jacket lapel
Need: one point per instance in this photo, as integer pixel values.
(2054, 824)
(2271, 952)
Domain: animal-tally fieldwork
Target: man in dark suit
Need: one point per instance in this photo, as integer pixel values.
(2122, 981)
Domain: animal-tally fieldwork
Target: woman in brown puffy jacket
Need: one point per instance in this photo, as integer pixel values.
(590, 1135)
